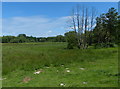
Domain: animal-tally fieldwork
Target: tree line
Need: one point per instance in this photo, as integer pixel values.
(22, 38)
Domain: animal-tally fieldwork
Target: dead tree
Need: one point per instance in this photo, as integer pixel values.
(73, 20)
(85, 32)
(92, 23)
(81, 24)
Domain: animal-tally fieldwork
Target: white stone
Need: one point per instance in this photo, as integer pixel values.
(37, 72)
(2, 78)
(82, 68)
(84, 82)
(68, 71)
(62, 84)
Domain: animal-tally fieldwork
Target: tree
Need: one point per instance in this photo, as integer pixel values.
(118, 31)
(92, 22)
(22, 35)
(60, 38)
(106, 30)
(7, 39)
(80, 23)
(111, 22)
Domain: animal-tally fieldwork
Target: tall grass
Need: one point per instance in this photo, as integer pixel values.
(31, 56)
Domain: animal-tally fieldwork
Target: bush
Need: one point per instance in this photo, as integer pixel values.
(70, 46)
(104, 45)
(71, 39)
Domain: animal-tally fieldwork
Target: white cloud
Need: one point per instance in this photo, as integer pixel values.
(34, 25)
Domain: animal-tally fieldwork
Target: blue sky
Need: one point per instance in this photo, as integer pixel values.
(43, 18)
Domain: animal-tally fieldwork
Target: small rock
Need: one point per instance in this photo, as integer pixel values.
(62, 84)
(3, 78)
(68, 71)
(38, 72)
(82, 68)
(84, 82)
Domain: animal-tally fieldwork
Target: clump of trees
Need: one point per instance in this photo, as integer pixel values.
(107, 29)
(21, 38)
(102, 32)
(82, 22)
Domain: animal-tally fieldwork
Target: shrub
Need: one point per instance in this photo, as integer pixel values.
(70, 46)
(104, 45)
(71, 39)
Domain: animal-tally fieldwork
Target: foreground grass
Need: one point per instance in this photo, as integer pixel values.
(87, 68)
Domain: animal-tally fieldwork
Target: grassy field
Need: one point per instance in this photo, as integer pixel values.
(59, 67)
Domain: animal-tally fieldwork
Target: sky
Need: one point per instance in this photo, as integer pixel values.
(43, 19)
(60, 0)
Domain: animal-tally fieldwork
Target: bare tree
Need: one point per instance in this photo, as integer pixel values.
(86, 25)
(92, 23)
(73, 20)
(81, 24)
(78, 26)
(83, 12)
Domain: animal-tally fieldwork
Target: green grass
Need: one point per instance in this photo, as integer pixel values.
(21, 60)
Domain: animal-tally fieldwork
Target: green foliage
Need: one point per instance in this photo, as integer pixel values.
(22, 35)
(106, 32)
(6, 39)
(71, 38)
(104, 45)
(42, 39)
(15, 40)
(22, 38)
(50, 39)
(60, 38)
(70, 46)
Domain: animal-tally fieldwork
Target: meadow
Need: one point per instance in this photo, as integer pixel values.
(60, 67)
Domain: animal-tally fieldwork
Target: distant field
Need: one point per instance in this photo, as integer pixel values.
(59, 66)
